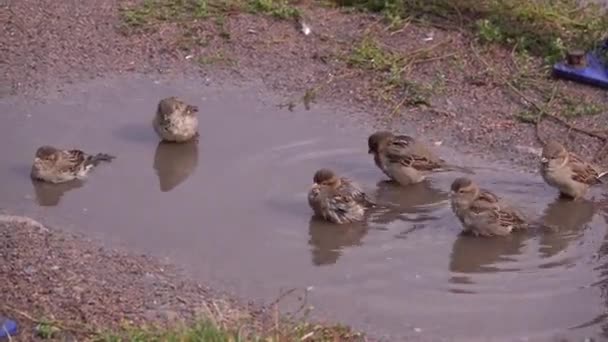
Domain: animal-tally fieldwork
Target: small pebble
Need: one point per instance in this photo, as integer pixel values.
(29, 270)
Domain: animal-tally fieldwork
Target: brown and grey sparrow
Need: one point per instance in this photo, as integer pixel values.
(58, 166)
(567, 172)
(404, 159)
(481, 212)
(176, 121)
(337, 199)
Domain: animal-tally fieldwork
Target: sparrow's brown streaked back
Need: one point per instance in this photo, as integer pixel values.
(404, 159)
(175, 120)
(481, 212)
(337, 199)
(568, 172)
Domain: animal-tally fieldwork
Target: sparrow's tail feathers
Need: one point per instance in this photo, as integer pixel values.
(369, 203)
(603, 177)
(540, 225)
(451, 167)
(100, 157)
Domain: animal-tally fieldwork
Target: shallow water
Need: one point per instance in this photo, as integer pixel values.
(232, 210)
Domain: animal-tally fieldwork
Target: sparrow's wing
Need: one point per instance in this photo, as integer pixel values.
(350, 189)
(493, 206)
(582, 171)
(71, 160)
(405, 150)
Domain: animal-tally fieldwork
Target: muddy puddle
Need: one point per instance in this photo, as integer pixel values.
(232, 211)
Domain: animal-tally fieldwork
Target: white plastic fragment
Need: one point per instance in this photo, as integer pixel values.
(305, 28)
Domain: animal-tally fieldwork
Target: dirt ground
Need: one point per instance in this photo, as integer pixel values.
(49, 43)
(55, 277)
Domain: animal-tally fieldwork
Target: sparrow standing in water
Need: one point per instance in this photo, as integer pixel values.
(481, 212)
(567, 172)
(58, 166)
(176, 121)
(404, 159)
(337, 199)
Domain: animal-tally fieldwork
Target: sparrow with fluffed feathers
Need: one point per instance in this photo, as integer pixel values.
(55, 165)
(481, 212)
(567, 172)
(176, 121)
(337, 199)
(404, 159)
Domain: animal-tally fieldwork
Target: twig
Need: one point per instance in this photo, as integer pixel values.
(399, 105)
(304, 301)
(542, 113)
(432, 59)
(282, 295)
(276, 321)
(572, 127)
(87, 331)
(410, 56)
(442, 112)
(219, 313)
(554, 117)
(403, 28)
(601, 152)
(306, 98)
(8, 335)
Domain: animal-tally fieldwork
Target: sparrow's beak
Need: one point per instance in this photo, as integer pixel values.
(544, 160)
(194, 109)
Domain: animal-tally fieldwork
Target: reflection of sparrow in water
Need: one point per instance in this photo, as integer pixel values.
(176, 121)
(414, 205)
(58, 166)
(567, 172)
(327, 241)
(470, 255)
(174, 163)
(567, 220)
(336, 199)
(404, 159)
(49, 195)
(481, 212)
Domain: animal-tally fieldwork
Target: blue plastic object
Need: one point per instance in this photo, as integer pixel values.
(595, 73)
(8, 328)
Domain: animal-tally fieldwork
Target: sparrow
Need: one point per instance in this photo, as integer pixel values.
(176, 121)
(337, 199)
(404, 159)
(55, 165)
(481, 212)
(567, 172)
